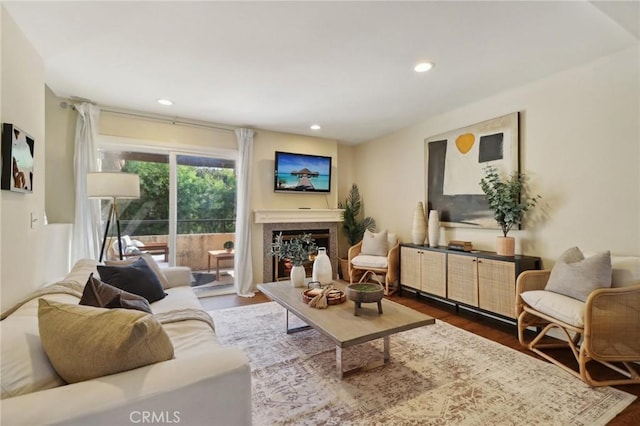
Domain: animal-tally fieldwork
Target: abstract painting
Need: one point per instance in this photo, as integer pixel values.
(17, 159)
(455, 163)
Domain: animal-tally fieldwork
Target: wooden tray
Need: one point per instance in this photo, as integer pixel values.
(335, 297)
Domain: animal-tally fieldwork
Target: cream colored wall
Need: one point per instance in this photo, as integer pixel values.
(22, 102)
(60, 126)
(265, 144)
(580, 144)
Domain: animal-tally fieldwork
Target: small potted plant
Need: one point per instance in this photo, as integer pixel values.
(507, 199)
(296, 250)
(228, 246)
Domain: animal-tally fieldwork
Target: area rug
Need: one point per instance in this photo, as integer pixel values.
(438, 375)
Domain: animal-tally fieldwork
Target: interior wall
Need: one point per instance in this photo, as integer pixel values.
(22, 103)
(265, 143)
(579, 144)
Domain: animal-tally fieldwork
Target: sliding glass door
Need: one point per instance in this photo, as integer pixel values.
(186, 209)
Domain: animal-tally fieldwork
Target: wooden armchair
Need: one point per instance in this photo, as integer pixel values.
(605, 328)
(364, 267)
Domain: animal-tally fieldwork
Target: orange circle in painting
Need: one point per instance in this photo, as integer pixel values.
(465, 142)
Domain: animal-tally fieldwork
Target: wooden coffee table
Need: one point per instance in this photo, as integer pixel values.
(339, 324)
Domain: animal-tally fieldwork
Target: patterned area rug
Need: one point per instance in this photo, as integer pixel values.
(438, 375)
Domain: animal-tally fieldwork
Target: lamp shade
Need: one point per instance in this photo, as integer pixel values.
(113, 185)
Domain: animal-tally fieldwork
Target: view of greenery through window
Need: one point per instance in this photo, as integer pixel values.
(206, 199)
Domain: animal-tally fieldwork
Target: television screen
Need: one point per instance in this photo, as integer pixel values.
(302, 173)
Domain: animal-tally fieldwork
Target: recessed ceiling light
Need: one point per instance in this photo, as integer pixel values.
(165, 102)
(315, 127)
(423, 67)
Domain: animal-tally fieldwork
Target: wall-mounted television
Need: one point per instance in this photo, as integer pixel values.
(302, 173)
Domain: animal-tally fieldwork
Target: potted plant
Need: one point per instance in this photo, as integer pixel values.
(507, 199)
(296, 250)
(228, 246)
(352, 224)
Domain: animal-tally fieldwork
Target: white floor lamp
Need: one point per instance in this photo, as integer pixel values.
(113, 186)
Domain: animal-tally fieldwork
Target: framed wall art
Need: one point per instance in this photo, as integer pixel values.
(455, 163)
(17, 159)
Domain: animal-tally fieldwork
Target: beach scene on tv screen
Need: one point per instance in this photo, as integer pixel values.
(302, 173)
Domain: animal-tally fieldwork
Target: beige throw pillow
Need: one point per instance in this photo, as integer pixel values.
(84, 342)
(375, 244)
(577, 277)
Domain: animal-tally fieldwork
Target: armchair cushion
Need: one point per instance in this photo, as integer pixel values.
(563, 308)
(375, 243)
(368, 261)
(577, 277)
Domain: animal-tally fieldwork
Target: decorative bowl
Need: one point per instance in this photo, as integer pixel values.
(364, 292)
(334, 297)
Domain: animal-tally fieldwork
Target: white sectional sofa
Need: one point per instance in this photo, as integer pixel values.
(204, 383)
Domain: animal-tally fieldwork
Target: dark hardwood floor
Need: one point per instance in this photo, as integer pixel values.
(489, 328)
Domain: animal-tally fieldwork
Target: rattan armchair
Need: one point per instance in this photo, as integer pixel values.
(608, 331)
(363, 269)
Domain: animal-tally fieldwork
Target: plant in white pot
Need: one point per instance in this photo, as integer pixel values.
(297, 250)
(509, 202)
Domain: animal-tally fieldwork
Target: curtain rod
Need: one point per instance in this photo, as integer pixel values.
(65, 104)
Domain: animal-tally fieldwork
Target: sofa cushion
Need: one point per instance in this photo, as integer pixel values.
(375, 243)
(85, 342)
(577, 277)
(25, 366)
(137, 278)
(101, 295)
(563, 308)
(150, 261)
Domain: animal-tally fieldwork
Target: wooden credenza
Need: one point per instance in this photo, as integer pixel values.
(480, 279)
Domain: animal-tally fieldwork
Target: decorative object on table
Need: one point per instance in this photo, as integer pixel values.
(460, 245)
(434, 228)
(322, 271)
(297, 250)
(320, 298)
(228, 246)
(419, 228)
(352, 225)
(508, 199)
(18, 150)
(361, 293)
(454, 166)
(113, 186)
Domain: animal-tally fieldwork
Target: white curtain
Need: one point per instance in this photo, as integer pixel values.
(86, 227)
(243, 270)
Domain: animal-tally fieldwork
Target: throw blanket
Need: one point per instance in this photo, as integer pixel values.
(75, 289)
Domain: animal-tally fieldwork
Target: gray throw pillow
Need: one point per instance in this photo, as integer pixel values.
(577, 277)
(101, 295)
(375, 244)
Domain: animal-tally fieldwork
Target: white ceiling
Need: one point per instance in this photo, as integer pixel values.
(284, 65)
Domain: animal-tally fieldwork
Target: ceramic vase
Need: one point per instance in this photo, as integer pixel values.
(419, 229)
(505, 246)
(322, 271)
(297, 275)
(434, 228)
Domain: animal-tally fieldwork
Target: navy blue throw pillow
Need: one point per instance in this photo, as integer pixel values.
(137, 278)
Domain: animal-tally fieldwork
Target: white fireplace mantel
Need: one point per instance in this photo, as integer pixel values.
(298, 215)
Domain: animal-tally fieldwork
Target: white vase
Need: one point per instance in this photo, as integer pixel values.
(419, 229)
(322, 271)
(434, 228)
(297, 275)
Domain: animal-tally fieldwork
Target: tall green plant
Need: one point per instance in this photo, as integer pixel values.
(506, 197)
(353, 226)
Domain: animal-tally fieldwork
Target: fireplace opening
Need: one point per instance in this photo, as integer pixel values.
(282, 267)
